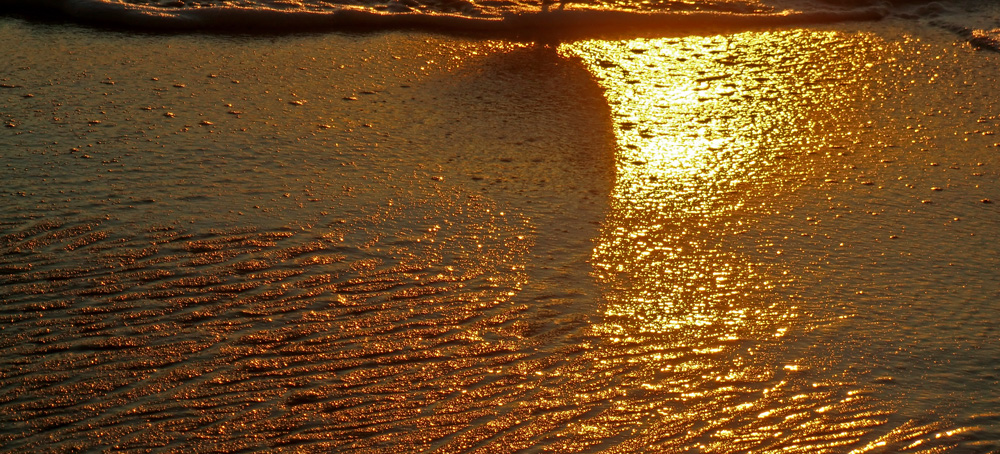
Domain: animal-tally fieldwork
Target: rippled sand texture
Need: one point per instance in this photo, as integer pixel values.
(766, 242)
(326, 243)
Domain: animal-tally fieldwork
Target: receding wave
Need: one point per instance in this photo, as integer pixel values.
(978, 38)
(488, 18)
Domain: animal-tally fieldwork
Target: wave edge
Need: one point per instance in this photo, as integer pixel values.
(570, 22)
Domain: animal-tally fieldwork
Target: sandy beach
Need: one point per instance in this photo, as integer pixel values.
(754, 241)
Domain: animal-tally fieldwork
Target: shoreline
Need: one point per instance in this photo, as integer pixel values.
(334, 241)
(561, 24)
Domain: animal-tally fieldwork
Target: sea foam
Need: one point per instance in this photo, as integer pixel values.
(492, 18)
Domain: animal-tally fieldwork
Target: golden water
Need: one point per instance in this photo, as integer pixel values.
(756, 242)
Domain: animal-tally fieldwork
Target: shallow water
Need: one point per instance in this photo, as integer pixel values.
(786, 257)
(761, 241)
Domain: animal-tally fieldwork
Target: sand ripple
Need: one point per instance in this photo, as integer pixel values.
(222, 341)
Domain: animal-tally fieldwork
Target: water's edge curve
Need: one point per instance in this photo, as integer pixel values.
(573, 23)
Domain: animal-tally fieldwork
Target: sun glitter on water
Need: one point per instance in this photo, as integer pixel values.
(716, 133)
(705, 126)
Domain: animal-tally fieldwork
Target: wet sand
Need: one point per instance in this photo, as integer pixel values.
(308, 242)
(394, 241)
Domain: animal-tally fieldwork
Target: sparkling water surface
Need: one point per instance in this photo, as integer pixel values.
(757, 241)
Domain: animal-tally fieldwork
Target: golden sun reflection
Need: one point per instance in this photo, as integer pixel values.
(703, 125)
(715, 134)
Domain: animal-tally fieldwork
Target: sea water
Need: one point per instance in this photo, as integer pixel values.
(489, 227)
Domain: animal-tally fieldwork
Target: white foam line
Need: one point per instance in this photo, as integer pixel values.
(575, 22)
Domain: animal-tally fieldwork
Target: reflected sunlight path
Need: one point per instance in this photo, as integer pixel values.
(707, 347)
